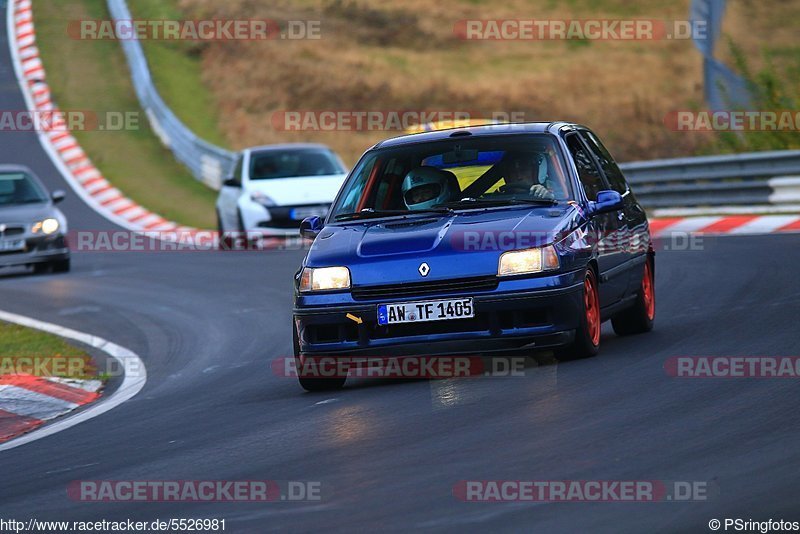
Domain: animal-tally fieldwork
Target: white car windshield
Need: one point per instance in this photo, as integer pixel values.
(273, 164)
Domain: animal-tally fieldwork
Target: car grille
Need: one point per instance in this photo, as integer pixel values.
(459, 285)
(12, 231)
(281, 216)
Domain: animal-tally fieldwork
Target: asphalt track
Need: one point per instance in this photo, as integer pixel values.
(388, 454)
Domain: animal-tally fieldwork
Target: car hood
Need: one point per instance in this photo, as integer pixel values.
(299, 190)
(460, 245)
(26, 213)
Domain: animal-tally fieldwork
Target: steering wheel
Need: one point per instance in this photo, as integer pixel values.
(515, 187)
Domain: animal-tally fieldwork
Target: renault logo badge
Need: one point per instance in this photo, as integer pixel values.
(424, 269)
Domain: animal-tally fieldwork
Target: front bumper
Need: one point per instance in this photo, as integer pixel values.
(521, 313)
(39, 249)
(284, 220)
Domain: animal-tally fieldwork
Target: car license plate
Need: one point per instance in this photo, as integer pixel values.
(11, 246)
(298, 214)
(431, 310)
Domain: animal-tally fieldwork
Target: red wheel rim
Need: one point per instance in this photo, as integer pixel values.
(592, 306)
(648, 293)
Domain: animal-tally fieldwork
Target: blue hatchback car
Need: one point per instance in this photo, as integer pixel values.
(513, 237)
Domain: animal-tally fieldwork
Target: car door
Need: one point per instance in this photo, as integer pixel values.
(634, 217)
(610, 226)
(229, 195)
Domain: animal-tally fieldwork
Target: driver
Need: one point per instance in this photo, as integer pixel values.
(426, 187)
(527, 172)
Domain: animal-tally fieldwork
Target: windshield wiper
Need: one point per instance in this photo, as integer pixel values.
(369, 213)
(546, 201)
(470, 202)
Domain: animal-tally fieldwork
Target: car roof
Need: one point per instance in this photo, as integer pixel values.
(286, 146)
(11, 167)
(483, 130)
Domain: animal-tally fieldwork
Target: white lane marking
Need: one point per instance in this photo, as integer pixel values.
(21, 401)
(67, 469)
(326, 401)
(132, 383)
(764, 225)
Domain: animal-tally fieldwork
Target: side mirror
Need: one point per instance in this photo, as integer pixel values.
(57, 196)
(607, 201)
(231, 182)
(310, 227)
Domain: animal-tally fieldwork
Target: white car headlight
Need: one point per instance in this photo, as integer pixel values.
(261, 198)
(47, 226)
(324, 278)
(533, 260)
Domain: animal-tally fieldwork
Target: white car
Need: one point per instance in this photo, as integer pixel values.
(275, 187)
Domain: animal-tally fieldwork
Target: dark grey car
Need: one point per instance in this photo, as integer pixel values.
(32, 229)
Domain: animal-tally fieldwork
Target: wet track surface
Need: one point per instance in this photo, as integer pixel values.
(207, 326)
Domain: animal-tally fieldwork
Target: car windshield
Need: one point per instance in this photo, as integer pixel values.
(457, 173)
(19, 188)
(294, 163)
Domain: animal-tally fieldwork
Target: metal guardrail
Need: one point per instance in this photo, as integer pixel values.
(754, 178)
(207, 162)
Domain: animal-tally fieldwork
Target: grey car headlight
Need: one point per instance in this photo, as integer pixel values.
(47, 226)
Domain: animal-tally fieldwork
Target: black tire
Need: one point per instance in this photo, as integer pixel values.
(42, 268)
(639, 318)
(587, 336)
(61, 266)
(220, 229)
(223, 241)
(313, 384)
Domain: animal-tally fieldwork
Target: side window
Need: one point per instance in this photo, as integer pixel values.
(588, 173)
(613, 174)
(355, 188)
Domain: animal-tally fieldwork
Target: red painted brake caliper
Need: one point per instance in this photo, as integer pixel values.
(648, 294)
(592, 306)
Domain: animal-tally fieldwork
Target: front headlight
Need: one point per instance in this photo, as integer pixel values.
(324, 278)
(261, 198)
(47, 226)
(533, 260)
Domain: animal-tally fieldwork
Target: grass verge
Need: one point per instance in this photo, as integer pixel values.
(93, 75)
(177, 71)
(26, 350)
